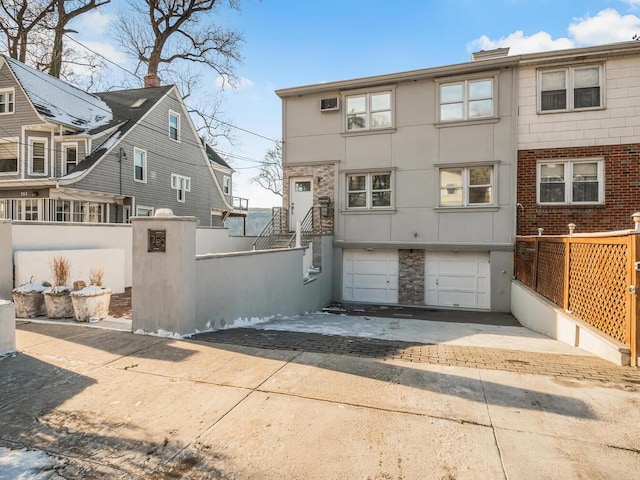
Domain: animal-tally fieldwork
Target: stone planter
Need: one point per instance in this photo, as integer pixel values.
(91, 302)
(29, 300)
(7, 327)
(58, 302)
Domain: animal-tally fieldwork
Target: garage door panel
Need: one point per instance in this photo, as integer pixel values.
(370, 276)
(457, 279)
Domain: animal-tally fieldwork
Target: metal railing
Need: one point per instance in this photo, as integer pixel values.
(269, 233)
(306, 230)
(239, 203)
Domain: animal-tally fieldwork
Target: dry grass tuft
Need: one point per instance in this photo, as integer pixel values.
(95, 276)
(61, 270)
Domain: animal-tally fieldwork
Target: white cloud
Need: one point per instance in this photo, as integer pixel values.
(519, 43)
(94, 22)
(607, 26)
(241, 83)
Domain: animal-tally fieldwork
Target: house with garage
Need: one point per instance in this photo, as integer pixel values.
(417, 170)
(70, 156)
(579, 139)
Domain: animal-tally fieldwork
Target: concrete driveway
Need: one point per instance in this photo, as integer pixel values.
(257, 403)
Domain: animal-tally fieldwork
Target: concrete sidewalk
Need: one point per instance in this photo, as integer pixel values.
(117, 405)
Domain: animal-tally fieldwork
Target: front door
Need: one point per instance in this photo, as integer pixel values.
(300, 200)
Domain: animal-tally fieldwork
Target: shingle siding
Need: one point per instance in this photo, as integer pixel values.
(164, 157)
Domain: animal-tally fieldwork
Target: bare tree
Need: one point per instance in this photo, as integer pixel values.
(66, 11)
(270, 175)
(20, 22)
(160, 32)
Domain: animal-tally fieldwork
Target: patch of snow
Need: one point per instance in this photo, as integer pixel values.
(90, 291)
(26, 464)
(110, 142)
(59, 289)
(31, 287)
(161, 333)
(73, 175)
(5, 302)
(60, 101)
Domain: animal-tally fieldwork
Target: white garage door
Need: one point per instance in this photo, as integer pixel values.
(370, 276)
(457, 279)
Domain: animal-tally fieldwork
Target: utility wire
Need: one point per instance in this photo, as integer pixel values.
(190, 108)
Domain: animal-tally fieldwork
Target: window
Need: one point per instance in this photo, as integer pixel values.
(226, 185)
(69, 157)
(466, 186)
(174, 126)
(181, 184)
(571, 88)
(572, 181)
(62, 211)
(144, 211)
(139, 165)
(7, 102)
(9, 157)
(466, 100)
(28, 210)
(369, 111)
(369, 190)
(38, 156)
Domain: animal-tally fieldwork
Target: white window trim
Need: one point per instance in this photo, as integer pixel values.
(44, 140)
(142, 207)
(179, 120)
(369, 191)
(63, 148)
(465, 100)
(144, 167)
(569, 77)
(367, 94)
(568, 182)
(186, 184)
(15, 140)
(13, 92)
(226, 185)
(465, 186)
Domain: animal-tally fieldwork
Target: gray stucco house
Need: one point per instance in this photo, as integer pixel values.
(70, 156)
(419, 171)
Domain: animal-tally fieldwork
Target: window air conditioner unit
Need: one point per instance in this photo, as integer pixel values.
(329, 104)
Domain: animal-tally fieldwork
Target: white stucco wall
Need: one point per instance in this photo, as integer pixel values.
(540, 315)
(217, 240)
(7, 327)
(234, 287)
(61, 236)
(36, 265)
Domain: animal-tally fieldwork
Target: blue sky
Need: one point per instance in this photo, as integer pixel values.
(297, 42)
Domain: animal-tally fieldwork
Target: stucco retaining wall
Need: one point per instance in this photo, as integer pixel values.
(540, 315)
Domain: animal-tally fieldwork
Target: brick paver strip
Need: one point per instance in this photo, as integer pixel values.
(555, 365)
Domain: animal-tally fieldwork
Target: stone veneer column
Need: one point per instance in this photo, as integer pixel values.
(164, 282)
(411, 277)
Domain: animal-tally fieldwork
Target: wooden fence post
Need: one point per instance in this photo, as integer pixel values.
(634, 317)
(567, 263)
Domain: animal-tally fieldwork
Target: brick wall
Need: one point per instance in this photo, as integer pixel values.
(411, 277)
(621, 186)
(323, 184)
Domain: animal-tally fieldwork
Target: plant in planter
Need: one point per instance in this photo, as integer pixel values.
(29, 300)
(57, 299)
(91, 303)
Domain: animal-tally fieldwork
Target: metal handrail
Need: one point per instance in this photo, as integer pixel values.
(306, 230)
(265, 239)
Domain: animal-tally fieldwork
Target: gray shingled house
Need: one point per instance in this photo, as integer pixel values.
(70, 156)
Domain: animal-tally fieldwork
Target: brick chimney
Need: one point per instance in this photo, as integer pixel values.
(151, 80)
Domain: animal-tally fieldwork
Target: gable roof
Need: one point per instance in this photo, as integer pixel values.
(215, 158)
(58, 101)
(128, 107)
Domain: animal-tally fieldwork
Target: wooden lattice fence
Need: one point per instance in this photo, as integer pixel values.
(592, 277)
